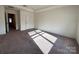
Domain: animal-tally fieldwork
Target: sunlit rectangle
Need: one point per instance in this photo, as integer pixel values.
(43, 44)
(38, 31)
(42, 33)
(50, 37)
(35, 36)
(31, 33)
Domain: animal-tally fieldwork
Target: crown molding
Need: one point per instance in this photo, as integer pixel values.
(25, 8)
(49, 8)
(39, 10)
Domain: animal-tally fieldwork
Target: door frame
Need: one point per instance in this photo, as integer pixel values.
(17, 20)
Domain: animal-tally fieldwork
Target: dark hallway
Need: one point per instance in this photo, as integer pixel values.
(11, 21)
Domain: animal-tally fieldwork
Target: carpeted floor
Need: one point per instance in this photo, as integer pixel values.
(19, 42)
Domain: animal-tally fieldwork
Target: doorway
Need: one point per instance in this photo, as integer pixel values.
(11, 22)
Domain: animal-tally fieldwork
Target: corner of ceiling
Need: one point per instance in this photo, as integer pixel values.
(48, 8)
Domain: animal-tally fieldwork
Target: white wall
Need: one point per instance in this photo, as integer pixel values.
(2, 20)
(26, 20)
(78, 25)
(78, 31)
(60, 21)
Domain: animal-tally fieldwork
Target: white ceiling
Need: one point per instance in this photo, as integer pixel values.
(36, 7)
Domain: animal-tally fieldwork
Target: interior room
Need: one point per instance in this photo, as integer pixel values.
(39, 29)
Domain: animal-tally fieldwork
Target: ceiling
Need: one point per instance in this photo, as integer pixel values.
(37, 7)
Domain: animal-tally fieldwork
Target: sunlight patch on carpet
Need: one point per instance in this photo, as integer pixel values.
(31, 33)
(38, 31)
(50, 37)
(42, 39)
(43, 44)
